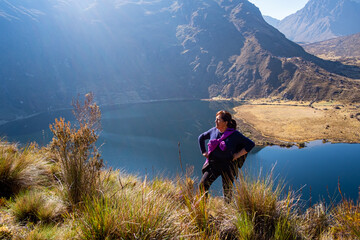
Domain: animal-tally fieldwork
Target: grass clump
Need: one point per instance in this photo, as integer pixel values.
(244, 226)
(5, 233)
(346, 217)
(34, 206)
(146, 214)
(99, 219)
(48, 232)
(21, 169)
(136, 212)
(196, 213)
(316, 221)
(262, 212)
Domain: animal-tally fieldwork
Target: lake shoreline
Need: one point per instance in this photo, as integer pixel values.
(22, 117)
(281, 122)
(288, 123)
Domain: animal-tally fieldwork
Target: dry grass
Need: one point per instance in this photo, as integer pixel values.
(263, 210)
(130, 208)
(136, 211)
(346, 223)
(316, 221)
(37, 206)
(21, 169)
(296, 122)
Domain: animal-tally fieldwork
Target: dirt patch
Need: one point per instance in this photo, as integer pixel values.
(269, 122)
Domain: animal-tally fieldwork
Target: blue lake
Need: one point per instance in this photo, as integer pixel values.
(144, 139)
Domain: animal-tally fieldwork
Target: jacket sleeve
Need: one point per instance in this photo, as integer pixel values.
(246, 143)
(204, 136)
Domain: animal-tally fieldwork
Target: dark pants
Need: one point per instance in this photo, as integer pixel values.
(211, 173)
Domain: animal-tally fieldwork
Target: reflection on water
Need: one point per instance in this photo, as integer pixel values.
(317, 169)
(143, 138)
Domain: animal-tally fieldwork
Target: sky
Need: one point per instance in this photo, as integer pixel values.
(279, 8)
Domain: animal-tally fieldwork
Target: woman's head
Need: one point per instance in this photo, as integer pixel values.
(224, 120)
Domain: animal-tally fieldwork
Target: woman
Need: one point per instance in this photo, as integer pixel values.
(225, 146)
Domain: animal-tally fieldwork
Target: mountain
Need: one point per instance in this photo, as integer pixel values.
(321, 20)
(272, 21)
(343, 49)
(135, 50)
(336, 48)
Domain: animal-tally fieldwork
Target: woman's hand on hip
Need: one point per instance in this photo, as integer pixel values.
(205, 154)
(239, 154)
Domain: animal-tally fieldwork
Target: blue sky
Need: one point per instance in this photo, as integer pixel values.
(279, 8)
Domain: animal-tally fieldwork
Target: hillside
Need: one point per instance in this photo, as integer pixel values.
(321, 20)
(135, 51)
(345, 49)
(117, 205)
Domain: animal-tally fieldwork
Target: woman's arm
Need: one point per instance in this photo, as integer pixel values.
(239, 154)
(246, 146)
(204, 136)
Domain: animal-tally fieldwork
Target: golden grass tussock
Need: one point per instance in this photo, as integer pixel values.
(316, 221)
(43, 233)
(263, 211)
(133, 213)
(21, 169)
(346, 224)
(37, 206)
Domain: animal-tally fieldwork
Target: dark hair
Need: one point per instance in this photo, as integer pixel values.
(226, 117)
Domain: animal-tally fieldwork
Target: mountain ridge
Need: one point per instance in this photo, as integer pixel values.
(141, 51)
(322, 20)
(272, 21)
(345, 46)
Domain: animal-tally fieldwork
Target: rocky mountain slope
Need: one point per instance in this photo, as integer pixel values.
(129, 51)
(322, 20)
(345, 49)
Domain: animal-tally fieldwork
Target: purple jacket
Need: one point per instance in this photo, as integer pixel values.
(221, 155)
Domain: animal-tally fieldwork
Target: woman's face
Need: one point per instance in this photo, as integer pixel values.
(220, 124)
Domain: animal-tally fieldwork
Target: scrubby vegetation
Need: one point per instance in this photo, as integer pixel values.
(75, 152)
(62, 191)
